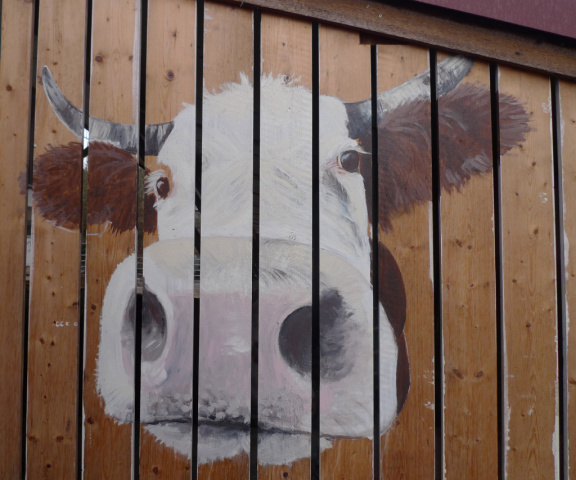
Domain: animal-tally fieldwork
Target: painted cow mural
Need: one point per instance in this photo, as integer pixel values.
(285, 315)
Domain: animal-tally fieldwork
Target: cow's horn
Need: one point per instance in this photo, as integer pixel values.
(451, 71)
(118, 134)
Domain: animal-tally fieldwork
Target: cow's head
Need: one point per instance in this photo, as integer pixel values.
(285, 259)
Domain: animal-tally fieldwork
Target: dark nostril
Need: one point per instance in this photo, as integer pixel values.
(153, 326)
(336, 326)
(295, 340)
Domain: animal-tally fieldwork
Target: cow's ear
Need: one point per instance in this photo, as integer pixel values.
(404, 146)
(57, 185)
(112, 187)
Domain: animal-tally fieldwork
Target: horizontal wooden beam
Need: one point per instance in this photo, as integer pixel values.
(427, 26)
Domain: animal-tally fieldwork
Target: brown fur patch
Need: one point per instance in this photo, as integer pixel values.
(404, 147)
(392, 296)
(402, 373)
(57, 184)
(391, 290)
(112, 187)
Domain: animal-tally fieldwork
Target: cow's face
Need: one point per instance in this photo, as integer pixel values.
(285, 226)
(225, 294)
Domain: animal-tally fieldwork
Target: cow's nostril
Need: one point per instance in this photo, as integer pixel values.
(295, 340)
(153, 326)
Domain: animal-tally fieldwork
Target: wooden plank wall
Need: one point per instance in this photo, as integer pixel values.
(113, 97)
(408, 447)
(52, 416)
(345, 74)
(15, 78)
(286, 53)
(486, 264)
(170, 79)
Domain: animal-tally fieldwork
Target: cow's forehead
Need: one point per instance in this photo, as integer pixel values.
(286, 126)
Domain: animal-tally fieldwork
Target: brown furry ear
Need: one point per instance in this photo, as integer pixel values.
(57, 185)
(112, 187)
(465, 146)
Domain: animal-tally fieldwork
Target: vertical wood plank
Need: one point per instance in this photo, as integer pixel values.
(170, 81)
(468, 288)
(568, 132)
(226, 243)
(286, 52)
(407, 449)
(15, 93)
(345, 74)
(531, 391)
(113, 97)
(53, 334)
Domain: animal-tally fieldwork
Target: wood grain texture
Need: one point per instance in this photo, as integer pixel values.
(113, 97)
(170, 81)
(344, 74)
(568, 119)
(407, 449)
(53, 334)
(228, 46)
(228, 54)
(15, 93)
(530, 369)
(405, 22)
(469, 311)
(287, 52)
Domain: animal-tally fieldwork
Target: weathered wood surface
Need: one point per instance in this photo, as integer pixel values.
(15, 92)
(286, 52)
(53, 334)
(113, 97)
(344, 74)
(228, 54)
(529, 281)
(567, 93)
(407, 449)
(404, 22)
(170, 81)
(468, 301)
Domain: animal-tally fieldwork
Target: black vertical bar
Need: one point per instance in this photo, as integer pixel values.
(496, 174)
(30, 170)
(198, 198)
(140, 238)
(560, 276)
(82, 273)
(315, 413)
(375, 258)
(255, 249)
(437, 242)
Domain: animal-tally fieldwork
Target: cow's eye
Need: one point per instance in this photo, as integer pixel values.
(350, 161)
(163, 187)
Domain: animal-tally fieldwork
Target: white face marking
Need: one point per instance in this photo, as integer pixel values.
(284, 286)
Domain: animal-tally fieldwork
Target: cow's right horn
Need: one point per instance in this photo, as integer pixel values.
(450, 73)
(118, 134)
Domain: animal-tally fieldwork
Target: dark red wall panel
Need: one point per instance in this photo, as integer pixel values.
(556, 16)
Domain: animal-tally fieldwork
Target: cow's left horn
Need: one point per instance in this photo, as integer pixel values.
(451, 71)
(118, 134)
